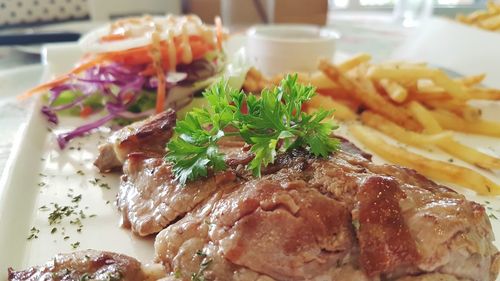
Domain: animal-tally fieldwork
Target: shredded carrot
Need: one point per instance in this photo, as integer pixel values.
(220, 34)
(45, 86)
(112, 37)
(134, 56)
(63, 78)
(85, 111)
(148, 71)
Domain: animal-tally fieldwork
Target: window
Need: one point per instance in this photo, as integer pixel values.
(439, 5)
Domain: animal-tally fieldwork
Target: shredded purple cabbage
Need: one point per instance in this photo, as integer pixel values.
(120, 87)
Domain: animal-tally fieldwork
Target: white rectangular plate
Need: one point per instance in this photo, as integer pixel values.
(39, 174)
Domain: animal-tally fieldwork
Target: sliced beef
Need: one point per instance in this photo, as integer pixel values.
(306, 218)
(86, 265)
(149, 136)
(341, 218)
(149, 199)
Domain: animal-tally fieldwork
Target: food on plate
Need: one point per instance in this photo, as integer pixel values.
(488, 19)
(148, 136)
(365, 92)
(451, 121)
(89, 265)
(448, 144)
(342, 112)
(421, 111)
(339, 218)
(399, 133)
(306, 217)
(410, 102)
(269, 125)
(133, 68)
(255, 188)
(439, 170)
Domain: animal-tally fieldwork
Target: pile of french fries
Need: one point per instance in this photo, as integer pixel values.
(410, 102)
(488, 19)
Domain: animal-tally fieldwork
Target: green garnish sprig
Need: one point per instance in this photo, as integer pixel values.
(272, 123)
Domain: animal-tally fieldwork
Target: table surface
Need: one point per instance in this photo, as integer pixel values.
(374, 34)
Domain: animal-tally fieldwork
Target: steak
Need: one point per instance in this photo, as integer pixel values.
(148, 136)
(87, 265)
(307, 218)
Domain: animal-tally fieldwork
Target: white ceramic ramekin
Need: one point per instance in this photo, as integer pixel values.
(282, 48)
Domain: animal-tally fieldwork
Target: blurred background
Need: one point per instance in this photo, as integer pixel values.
(379, 25)
(26, 13)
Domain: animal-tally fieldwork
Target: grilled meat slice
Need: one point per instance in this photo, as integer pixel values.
(149, 199)
(86, 265)
(147, 136)
(341, 218)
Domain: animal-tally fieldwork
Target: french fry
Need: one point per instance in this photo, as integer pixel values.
(335, 93)
(453, 122)
(425, 96)
(394, 90)
(399, 133)
(492, 7)
(486, 19)
(434, 169)
(250, 85)
(459, 107)
(354, 61)
(365, 92)
(448, 144)
(416, 73)
(318, 80)
(463, 18)
(429, 88)
(402, 74)
(403, 64)
(410, 102)
(478, 16)
(431, 92)
(491, 23)
(342, 112)
(449, 85)
(483, 94)
(253, 72)
(468, 154)
(422, 115)
(472, 80)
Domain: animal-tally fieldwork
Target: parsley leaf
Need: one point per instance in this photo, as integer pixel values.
(194, 148)
(272, 123)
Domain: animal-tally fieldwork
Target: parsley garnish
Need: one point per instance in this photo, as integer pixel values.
(75, 245)
(272, 123)
(33, 233)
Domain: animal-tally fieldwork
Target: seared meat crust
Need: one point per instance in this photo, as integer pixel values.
(84, 265)
(148, 136)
